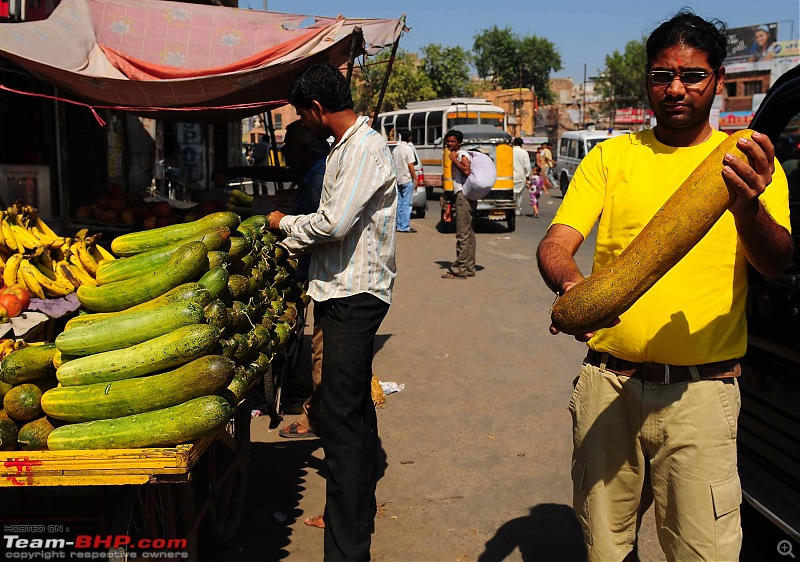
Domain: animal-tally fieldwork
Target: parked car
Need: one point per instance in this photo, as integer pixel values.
(769, 422)
(419, 199)
(572, 147)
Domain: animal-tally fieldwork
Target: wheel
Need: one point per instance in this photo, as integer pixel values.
(563, 183)
(511, 220)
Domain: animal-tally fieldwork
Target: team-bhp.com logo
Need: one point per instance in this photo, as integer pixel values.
(95, 547)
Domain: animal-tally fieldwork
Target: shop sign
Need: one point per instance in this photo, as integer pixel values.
(192, 151)
(735, 119)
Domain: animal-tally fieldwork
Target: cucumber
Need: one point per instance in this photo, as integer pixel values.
(170, 350)
(188, 262)
(237, 247)
(215, 280)
(194, 292)
(168, 426)
(128, 329)
(217, 258)
(155, 259)
(216, 314)
(205, 375)
(137, 242)
(27, 364)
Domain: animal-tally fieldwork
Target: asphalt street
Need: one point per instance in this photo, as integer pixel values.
(478, 443)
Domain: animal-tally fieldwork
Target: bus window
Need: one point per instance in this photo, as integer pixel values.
(495, 119)
(461, 117)
(418, 128)
(434, 127)
(388, 127)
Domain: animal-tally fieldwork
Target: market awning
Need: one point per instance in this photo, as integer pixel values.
(180, 61)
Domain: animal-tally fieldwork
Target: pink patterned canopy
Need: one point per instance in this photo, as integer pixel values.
(182, 61)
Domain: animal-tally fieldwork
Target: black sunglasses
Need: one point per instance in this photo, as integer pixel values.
(689, 77)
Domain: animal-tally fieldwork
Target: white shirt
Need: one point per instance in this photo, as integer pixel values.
(403, 155)
(459, 177)
(352, 234)
(522, 165)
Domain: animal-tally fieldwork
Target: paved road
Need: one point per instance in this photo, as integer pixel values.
(477, 445)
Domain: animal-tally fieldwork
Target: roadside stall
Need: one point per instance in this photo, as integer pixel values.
(126, 424)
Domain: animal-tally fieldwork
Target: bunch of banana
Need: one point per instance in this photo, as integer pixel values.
(9, 345)
(57, 271)
(22, 230)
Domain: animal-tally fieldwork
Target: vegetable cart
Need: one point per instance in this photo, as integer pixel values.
(157, 494)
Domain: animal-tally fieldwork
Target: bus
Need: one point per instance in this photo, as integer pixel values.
(429, 120)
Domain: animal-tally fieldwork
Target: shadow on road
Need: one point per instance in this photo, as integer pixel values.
(550, 532)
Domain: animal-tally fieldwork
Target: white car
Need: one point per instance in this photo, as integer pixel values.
(572, 147)
(419, 199)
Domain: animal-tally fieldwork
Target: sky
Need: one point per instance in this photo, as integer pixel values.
(584, 32)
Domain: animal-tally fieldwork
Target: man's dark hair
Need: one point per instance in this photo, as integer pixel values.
(518, 141)
(687, 28)
(455, 133)
(322, 83)
(404, 135)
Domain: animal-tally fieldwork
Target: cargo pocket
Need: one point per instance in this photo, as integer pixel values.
(727, 497)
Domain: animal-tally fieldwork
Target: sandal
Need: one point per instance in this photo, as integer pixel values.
(451, 275)
(316, 521)
(293, 431)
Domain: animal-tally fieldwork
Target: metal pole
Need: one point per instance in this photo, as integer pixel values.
(274, 143)
(386, 80)
(583, 106)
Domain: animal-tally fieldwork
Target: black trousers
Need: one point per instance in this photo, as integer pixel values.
(348, 424)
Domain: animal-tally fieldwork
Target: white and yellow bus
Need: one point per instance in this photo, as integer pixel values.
(429, 120)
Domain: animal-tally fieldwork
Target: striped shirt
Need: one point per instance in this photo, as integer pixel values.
(352, 234)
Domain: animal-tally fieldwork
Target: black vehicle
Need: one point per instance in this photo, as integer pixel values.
(769, 422)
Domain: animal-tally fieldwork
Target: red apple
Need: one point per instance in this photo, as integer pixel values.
(84, 212)
(12, 304)
(163, 209)
(110, 216)
(149, 221)
(3, 315)
(21, 293)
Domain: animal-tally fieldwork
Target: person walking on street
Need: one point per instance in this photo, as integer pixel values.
(655, 405)
(404, 162)
(461, 164)
(536, 183)
(547, 165)
(352, 240)
(522, 169)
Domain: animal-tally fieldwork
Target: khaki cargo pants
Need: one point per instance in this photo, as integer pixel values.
(687, 432)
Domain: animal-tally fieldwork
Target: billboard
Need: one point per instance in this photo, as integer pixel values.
(752, 43)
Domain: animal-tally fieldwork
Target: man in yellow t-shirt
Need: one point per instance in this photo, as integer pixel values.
(656, 403)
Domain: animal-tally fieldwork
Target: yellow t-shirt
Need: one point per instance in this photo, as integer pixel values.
(696, 312)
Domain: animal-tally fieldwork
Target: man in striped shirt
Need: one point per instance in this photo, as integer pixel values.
(352, 240)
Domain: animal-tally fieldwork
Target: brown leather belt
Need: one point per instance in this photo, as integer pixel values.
(660, 373)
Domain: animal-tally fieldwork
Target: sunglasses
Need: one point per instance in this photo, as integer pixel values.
(690, 77)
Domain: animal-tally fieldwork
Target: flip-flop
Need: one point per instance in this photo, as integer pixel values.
(451, 275)
(291, 432)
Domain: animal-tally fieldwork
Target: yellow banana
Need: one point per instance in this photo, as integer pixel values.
(2, 236)
(85, 257)
(26, 271)
(41, 225)
(77, 269)
(81, 234)
(41, 265)
(8, 236)
(53, 287)
(10, 271)
(25, 237)
(108, 256)
(6, 347)
(66, 245)
(64, 274)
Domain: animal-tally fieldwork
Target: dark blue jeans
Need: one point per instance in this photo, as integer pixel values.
(348, 424)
